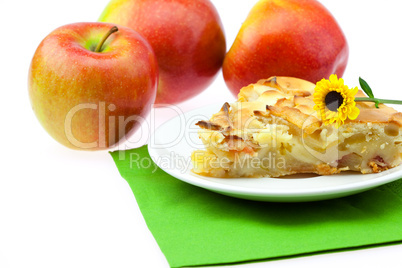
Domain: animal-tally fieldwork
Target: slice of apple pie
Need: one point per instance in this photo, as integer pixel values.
(273, 130)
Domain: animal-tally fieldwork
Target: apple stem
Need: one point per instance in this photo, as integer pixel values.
(106, 36)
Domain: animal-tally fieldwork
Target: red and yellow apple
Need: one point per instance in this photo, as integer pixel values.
(186, 35)
(296, 38)
(91, 83)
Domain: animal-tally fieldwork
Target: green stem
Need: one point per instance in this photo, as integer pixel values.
(106, 36)
(379, 100)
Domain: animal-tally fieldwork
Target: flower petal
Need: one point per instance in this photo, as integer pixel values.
(354, 113)
(353, 91)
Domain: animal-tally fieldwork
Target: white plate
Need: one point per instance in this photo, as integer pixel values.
(172, 143)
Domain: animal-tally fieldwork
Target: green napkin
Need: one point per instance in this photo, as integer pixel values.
(195, 227)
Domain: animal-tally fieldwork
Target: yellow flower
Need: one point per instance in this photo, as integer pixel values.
(334, 101)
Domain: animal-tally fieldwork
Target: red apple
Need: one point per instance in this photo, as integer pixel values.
(90, 86)
(186, 35)
(296, 38)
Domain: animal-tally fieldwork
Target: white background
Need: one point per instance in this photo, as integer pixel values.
(66, 208)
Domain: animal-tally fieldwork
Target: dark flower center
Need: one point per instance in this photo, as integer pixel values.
(333, 100)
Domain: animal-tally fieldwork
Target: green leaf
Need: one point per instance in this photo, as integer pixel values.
(366, 88)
